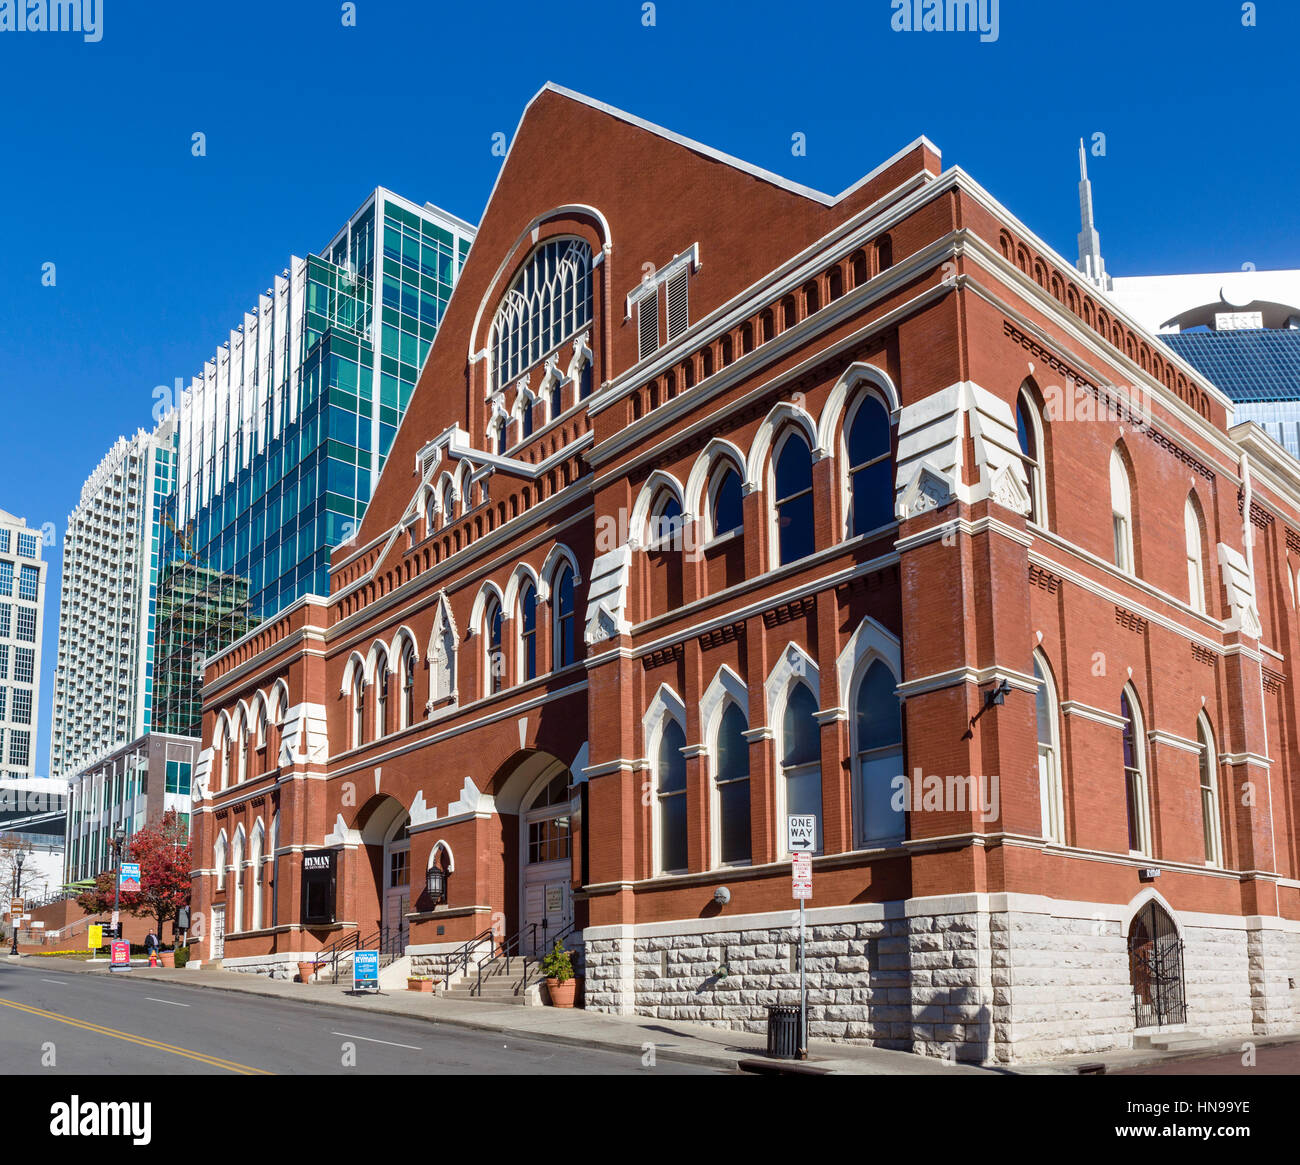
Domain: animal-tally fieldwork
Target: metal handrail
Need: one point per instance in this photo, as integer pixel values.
(548, 945)
(507, 951)
(465, 951)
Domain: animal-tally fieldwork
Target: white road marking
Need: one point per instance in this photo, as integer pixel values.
(172, 1002)
(60, 982)
(346, 1036)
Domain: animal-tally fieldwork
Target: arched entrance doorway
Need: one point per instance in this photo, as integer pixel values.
(536, 798)
(546, 861)
(397, 883)
(1156, 968)
(383, 903)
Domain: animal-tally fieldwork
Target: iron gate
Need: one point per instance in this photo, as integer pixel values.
(1156, 967)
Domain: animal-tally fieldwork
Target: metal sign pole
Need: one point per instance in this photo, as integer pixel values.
(803, 990)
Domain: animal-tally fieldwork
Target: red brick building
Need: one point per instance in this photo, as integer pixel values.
(719, 499)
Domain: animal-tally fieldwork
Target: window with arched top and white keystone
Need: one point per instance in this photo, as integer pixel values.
(867, 452)
(1137, 805)
(237, 877)
(1194, 539)
(549, 302)
(724, 719)
(1051, 794)
(1029, 434)
(664, 732)
(219, 853)
(255, 851)
(790, 487)
(1207, 770)
(791, 694)
(1121, 512)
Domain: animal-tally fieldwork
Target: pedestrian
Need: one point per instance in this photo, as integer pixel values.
(151, 944)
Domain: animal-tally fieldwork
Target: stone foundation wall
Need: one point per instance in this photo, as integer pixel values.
(277, 966)
(1003, 979)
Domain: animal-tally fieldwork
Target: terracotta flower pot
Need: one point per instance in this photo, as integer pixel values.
(425, 985)
(562, 994)
(305, 971)
(168, 958)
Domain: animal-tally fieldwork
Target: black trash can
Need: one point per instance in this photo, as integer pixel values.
(783, 1031)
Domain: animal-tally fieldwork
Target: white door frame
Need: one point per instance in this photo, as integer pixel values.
(549, 873)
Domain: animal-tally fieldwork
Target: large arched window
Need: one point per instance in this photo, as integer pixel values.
(1194, 538)
(227, 742)
(255, 853)
(408, 684)
(871, 475)
(1029, 433)
(358, 707)
(725, 502)
(670, 797)
(219, 860)
(1050, 794)
(1135, 774)
(565, 628)
(878, 757)
(493, 656)
(1121, 512)
(792, 486)
(549, 301)
(237, 874)
(528, 632)
(801, 756)
(732, 783)
(243, 749)
(382, 676)
(664, 547)
(1208, 768)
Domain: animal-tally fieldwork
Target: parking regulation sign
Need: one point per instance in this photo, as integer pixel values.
(801, 876)
(801, 833)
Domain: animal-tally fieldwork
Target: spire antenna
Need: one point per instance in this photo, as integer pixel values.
(1090, 262)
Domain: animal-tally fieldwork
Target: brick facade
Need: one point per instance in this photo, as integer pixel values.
(914, 306)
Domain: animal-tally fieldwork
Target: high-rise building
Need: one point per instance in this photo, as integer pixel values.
(187, 537)
(103, 683)
(22, 607)
(1240, 329)
(282, 438)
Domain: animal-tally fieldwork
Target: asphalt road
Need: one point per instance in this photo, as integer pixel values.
(95, 1024)
(1275, 1060)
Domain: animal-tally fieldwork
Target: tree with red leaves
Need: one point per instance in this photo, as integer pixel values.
(163, 851)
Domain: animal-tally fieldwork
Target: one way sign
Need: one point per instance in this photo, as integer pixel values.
(802, 833)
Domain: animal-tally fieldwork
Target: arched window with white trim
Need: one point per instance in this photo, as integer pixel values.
(358, 706)
(1050, 789)
(219, 853)
(1029, 434)
(549, 301)
(731, 785)
(227, 742)
(670, 799)
(382, 677)
(493, 654)
(1121, 512)
(564, 616)
(1207, 767)
(528, 632)
(255, 853)
(409, 666)
(726, 509)
(801, 754)
(1194, 538)
(868, 454)
(792, 492)
(1135, 774)
(237, 874)
(243, 749)
(878, 757)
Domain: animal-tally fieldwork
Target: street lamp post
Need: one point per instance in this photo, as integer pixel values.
(18, 885)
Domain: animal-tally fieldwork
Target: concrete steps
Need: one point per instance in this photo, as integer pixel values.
(498, 987)
(1174, 1040)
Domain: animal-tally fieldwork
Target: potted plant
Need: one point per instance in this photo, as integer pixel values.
(557, 966)
(306, 969)
(168, 958)
(419, 983)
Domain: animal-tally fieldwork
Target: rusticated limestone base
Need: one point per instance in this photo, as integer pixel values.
(987, 978)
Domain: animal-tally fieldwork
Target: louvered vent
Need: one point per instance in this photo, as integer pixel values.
(678, 304)
(647, 325)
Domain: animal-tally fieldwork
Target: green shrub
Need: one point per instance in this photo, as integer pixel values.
(182, 956)
(558, 964)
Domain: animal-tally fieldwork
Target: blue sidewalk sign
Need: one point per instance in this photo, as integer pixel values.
(365, 971)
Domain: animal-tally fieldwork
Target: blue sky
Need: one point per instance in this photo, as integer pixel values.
(158, 253)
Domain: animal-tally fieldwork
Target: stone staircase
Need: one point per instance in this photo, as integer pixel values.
(1176, 1038)
(499, 985)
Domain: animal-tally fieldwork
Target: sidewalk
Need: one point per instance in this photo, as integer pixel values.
(722, 1048)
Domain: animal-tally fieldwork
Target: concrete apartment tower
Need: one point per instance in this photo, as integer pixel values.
(22, 607)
